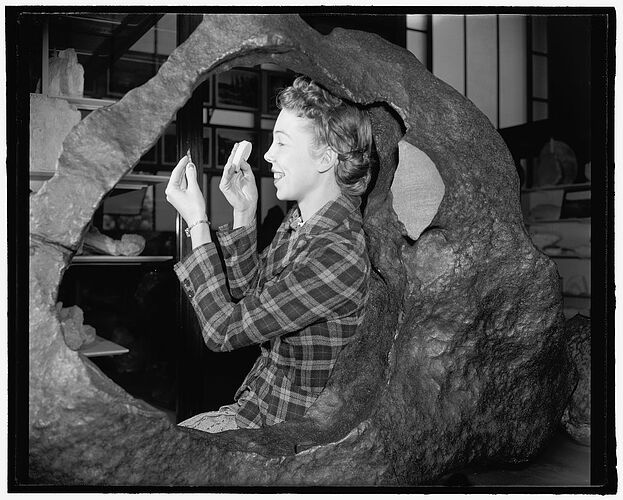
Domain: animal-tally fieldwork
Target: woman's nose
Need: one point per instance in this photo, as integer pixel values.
(268, 155)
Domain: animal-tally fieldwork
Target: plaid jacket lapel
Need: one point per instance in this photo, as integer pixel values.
(281, 251)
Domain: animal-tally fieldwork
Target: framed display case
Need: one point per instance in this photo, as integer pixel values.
(273, 82)
(238, 89)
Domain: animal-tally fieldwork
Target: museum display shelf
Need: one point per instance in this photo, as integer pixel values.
(575, 296)
(575, 186)
(572, 257)
(584, 220)
(129, 181)
(102, 347)
(86, 103)
(572, 233)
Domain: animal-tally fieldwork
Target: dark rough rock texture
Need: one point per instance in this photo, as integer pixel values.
(461, 354)
(576, 419)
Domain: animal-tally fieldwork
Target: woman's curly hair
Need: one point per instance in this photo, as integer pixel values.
(341, 125)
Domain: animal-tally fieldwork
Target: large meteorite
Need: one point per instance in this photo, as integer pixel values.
(460, 356)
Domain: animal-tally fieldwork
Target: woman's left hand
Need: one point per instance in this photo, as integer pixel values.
(184, 194)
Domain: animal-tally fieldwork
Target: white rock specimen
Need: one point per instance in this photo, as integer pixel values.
(66, 75)
(51, 119)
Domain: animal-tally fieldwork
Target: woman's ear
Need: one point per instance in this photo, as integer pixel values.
(328, 160)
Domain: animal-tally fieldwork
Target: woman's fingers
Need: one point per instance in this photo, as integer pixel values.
(231, 155)
(245, 168)
(191, 173)
(228, 173)
(233, 151)
(229, 169)
(178, 176)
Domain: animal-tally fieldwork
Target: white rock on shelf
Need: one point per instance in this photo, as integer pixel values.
(51, 119)
(66, 75)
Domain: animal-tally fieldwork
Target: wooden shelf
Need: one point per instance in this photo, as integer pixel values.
(87, 103)
(582, 220)
(566, 254)
(37, 175)
(135, 181)
(102, 347)
(558, 187)
(573, 257)
(118, 259)
(129, 181)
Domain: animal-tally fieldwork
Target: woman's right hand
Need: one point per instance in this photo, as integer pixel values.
(238, 186)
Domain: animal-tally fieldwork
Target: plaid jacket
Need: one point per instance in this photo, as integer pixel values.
(302, 300)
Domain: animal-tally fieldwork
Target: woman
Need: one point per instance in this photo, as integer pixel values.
(303, 297)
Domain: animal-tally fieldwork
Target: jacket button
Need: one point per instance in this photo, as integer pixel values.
(189, 288)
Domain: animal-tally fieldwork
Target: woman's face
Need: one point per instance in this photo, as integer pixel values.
(296, 171)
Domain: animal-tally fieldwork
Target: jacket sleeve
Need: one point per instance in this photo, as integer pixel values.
(329, 282)
(242, 263)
